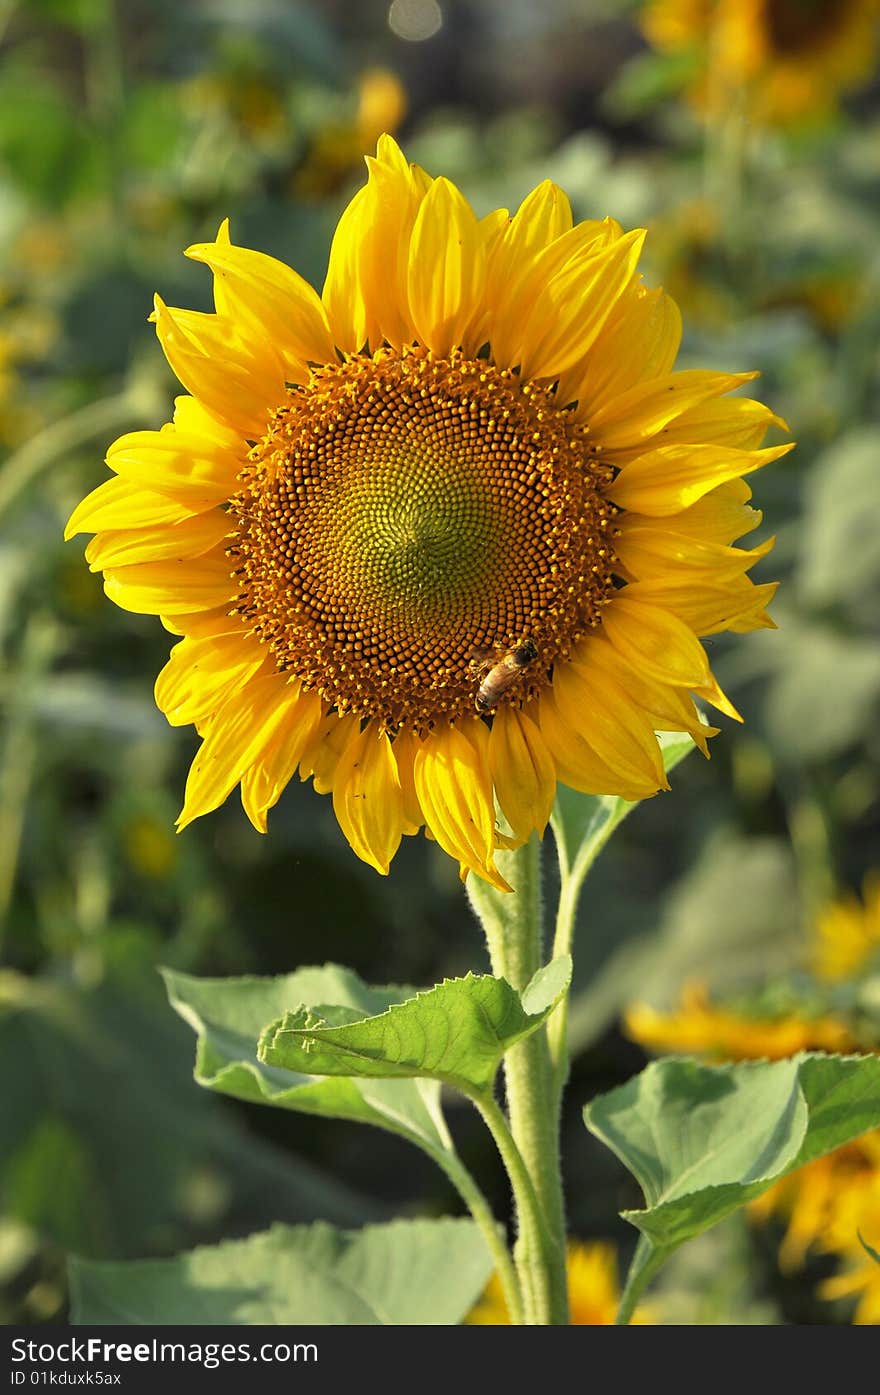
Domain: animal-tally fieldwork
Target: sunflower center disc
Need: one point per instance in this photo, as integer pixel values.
(795, 26)
(407, 521)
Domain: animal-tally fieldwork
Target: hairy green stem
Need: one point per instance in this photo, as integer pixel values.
(532, 1269)
(572, 876)
(481, 1212)
(513, 925)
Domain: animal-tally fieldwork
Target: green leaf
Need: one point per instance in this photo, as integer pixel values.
(228, 1016)
(408, 1272)
(703, 1140)
(457, 1032)
(646, 80)
(583, 823)
(811, 659)
(841, 519)
(107, 1147)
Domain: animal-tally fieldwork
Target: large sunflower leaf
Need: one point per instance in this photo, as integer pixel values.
(457, 1032)
(228, 1016)
(704, 1140)
(407, 1272)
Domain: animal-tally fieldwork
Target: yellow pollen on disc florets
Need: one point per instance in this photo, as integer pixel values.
(407, 521)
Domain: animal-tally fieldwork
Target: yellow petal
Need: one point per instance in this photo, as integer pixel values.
(570, 311)
(529, 254)
(234, 741)
(192, 419)
(321, 756)
(204, 624)
(638, 342)
(649, 407)
(718, 698)
(343, 294)
(172, 588)
(185, 466)
(542, 217)
(270, 300)
(405, 745)
(601, 713)
(522, 771)
(721, 516)
(455, 795)
(201, 673)
(666, 707)
(733, 421)
(264, 783)
(654, 552)
(671, 478)
(447, 268)
(577, 764)
(390, 207)
(239, 382)
(192, 538)
(738, 605)
(654, 642)
(367, 798)
(117, 504)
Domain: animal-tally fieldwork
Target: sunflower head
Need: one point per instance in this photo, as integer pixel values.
(781, 61)
(443, 535)
(846, 938)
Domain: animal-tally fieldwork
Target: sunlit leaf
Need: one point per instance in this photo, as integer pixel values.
(408, 1272)
(457, 1032)
(228, 1016)
(704, 1140)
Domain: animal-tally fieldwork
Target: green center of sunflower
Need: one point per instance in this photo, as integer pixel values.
(409, 523)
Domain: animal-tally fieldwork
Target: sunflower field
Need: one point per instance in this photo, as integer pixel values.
(504, 478)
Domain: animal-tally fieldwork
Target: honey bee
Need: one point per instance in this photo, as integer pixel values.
(501, 676)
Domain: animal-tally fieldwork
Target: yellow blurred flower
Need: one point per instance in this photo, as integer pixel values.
(29, 331)
(809, 1201)
(703, 1027)
(847, 933)
(857, 1214)
(337, 148)
(593, 1290)
(251, 102)
(783, 61)
(149, 846)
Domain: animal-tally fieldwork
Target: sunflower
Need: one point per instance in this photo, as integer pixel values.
(711, 1029)
(784, 60)
(467, 472)
(847, 933)
(593, 1290)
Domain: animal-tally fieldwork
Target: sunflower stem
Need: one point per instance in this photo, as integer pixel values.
(571, 881)
(513, 925)
(481, 1212)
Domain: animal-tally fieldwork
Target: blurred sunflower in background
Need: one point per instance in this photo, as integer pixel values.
(832, 1204)
(337, 146)
(593, 1290)
(445, 535)
(780, 60)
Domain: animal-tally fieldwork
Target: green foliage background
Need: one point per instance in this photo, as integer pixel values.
(128, 129)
